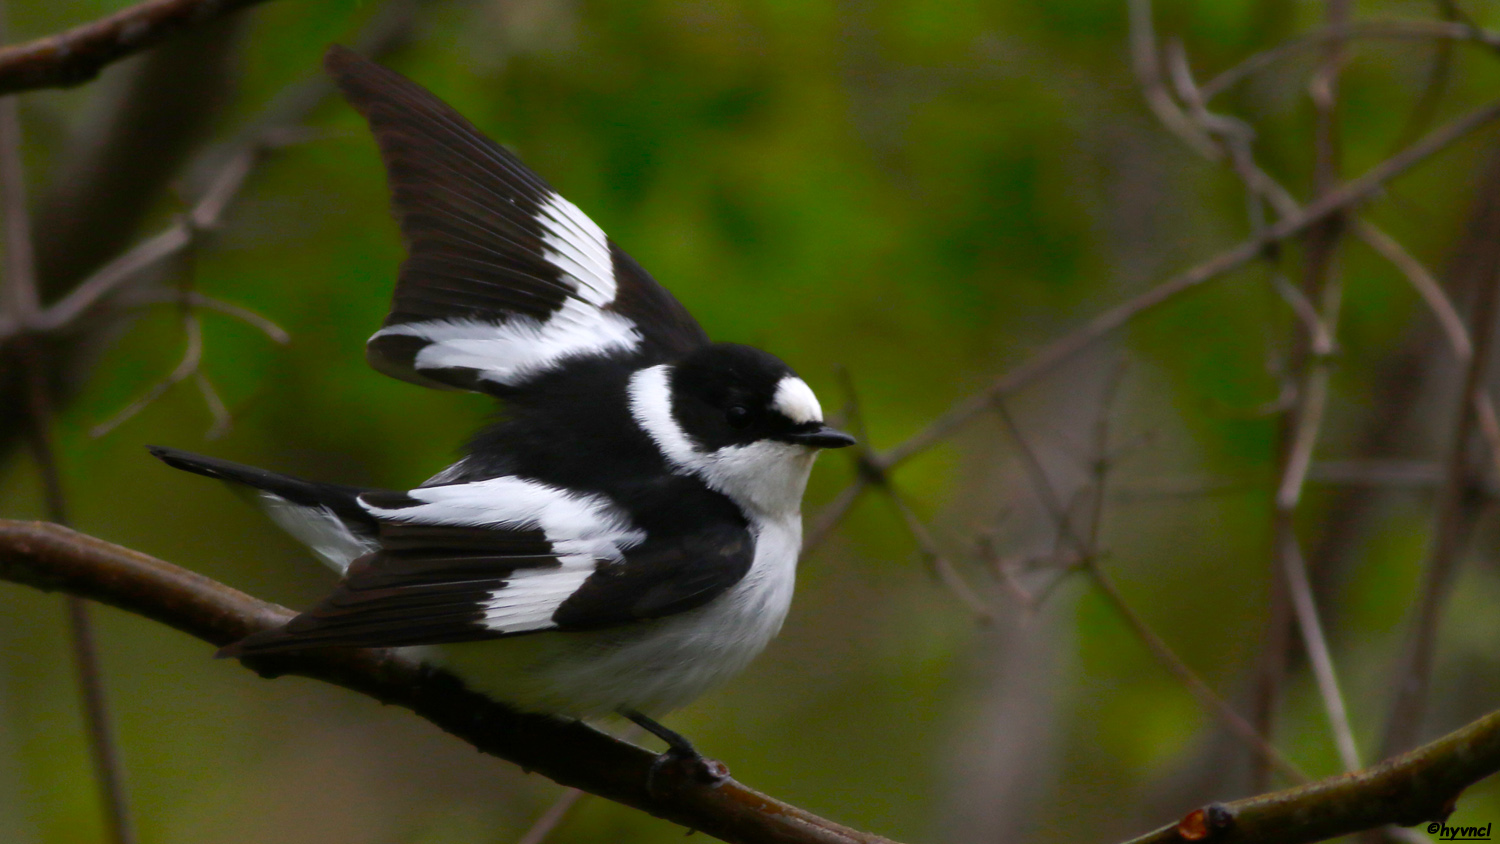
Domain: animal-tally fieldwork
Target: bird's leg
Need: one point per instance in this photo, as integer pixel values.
(679, 750)
(677, 744)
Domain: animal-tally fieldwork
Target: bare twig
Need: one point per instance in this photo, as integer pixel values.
(21, 301)
(1088, 557)
(1261, 186)
(1189, 678)
(1206, 696)
(77, 55)
(192, 357)
(1348, 196)
(51, 557)
(1294, 568)
(274, 332)
(1147, 67)
(216, 406)
(1377, 472)
(1321, 278)
(1041, 483)
(1405, 30)
(204, 216)
(1422, 281)
(1438, 74)
(833, 512)
(552, 817)
(1451, 529)
(937, 561)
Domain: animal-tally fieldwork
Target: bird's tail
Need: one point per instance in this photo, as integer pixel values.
(326, 517)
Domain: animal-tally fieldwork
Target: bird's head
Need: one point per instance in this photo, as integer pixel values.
(739, 418)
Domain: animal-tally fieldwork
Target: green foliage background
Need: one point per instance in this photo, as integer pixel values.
(923, 192)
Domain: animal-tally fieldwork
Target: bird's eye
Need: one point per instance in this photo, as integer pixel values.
(738, 416)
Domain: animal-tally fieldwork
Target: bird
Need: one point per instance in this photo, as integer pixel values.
(625, 536)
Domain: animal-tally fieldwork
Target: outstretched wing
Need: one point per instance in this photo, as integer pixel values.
(504, 279)
(504, 557)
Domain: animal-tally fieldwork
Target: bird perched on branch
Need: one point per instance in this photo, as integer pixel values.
(630, 528)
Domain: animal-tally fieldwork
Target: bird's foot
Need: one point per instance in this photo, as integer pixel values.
(680, 757)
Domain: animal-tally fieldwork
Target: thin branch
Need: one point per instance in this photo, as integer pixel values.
(23, 300)
(1350, 195)
(1041, 483)
(192, 357)
(50, 557)
(1449, 534)
(1319, 657)
(1199, 689)
(1088, 556)
(1399, 30)
(20, 301)
(1147, 67)
(937, 562)
(103, 747)
(1324, 277)
(275, 128)
(1236, 137)
(274, 332)
(77, 55)
(216, 406)
(1206, 696)
(1377, 472)
(204, 216)
(833, 513)
(1439, 73)
(1422, 281)
(552, 817)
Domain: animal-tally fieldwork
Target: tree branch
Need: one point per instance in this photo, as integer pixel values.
(51, 557)
(78, 54)
(1349, 195)
(1416, 787)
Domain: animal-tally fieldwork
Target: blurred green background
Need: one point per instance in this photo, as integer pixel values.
(921, 192)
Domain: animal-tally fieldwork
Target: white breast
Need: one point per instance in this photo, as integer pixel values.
(653, 667)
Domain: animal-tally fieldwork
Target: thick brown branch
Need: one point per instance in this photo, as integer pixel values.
(77, 55)
(50, 557)
(1416, 787)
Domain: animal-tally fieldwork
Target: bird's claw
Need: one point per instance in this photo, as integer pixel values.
(685, 767)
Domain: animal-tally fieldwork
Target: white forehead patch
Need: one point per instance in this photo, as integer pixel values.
(796, 401)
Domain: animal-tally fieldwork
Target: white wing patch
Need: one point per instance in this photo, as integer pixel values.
(319, 529)
(520, 347)
(582, 529)
(578, 247)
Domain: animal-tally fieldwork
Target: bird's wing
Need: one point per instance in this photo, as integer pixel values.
(504, 279)
(508, 556)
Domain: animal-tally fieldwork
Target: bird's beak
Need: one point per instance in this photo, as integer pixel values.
(821, 437)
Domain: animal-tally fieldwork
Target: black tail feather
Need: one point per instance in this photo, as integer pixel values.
(340, 499)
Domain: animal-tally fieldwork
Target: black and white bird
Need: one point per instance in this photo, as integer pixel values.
(638, 506)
